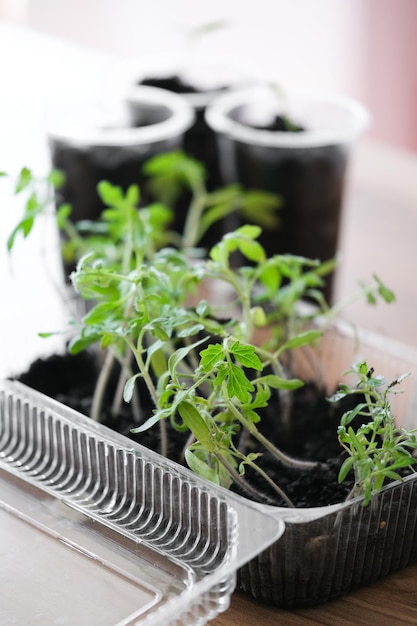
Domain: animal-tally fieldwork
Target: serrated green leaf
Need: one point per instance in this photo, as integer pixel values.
(246, 355)
(263, 394)
(211, 356)
(251, 250)
(238, 385)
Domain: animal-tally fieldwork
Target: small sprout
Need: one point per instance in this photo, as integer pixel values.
(377, 449)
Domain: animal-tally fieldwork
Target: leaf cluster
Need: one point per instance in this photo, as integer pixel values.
(37, 198)
(151, 309)
(377, 449)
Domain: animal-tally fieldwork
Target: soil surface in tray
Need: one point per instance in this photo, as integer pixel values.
(280, 124)
(312, 435)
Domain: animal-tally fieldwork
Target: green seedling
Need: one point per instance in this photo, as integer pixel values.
(171, 173)
(204, 371)
(153, 310)
(377, 450)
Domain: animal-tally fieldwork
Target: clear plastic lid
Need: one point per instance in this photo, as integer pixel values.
(96, 529)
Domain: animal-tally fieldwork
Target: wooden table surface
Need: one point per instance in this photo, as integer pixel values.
(378, 235)
(389, 602)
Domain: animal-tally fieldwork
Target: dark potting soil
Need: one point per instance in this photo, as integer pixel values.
(171, 83)
(281, 124)
(311, 184)
(71, 380)
(175, 83)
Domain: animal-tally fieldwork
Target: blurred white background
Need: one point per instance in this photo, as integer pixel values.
(364, 48)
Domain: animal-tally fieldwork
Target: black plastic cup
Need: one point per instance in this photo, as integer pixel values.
(92, 143)
(306, 168)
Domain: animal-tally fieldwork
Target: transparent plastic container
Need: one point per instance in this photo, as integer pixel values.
(329, 551)
(97, 530)
(168, 544)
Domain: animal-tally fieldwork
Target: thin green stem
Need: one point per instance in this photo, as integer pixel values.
(276, 452)
(143, 370)
(118, 396)
(152, 390)
(243, 297)
(284, 394)
(102, 273)
(191, 234)
(247, 486)
(270, 482)
(101, 385)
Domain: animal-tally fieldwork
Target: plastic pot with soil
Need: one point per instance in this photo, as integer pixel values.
(295, 144)
(92, 143)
